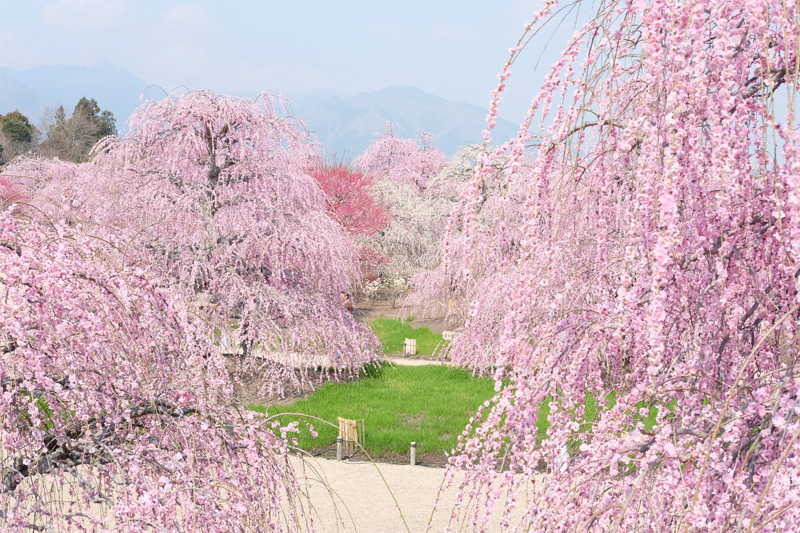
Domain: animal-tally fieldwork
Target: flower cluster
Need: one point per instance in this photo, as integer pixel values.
(404, 171)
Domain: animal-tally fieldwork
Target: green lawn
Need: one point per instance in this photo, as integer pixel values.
(393, 331)
(429, 405)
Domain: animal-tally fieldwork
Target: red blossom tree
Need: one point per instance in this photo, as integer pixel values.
(351, 203)
(655, 280)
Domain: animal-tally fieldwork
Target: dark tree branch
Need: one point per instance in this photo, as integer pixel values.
(70, 451)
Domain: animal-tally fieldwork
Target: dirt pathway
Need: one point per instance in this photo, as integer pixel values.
(365, 312)
(357, 496)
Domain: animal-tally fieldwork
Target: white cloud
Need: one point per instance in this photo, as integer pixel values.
(83, 13)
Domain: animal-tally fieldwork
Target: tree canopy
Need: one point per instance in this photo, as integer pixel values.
(352, 202)
(104, 122)
(117, 408)
(16, 127)
(134, 285)
(402, 169)
(215, 193)
(71, 138)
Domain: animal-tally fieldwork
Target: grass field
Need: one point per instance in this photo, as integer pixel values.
(394, 331)
(429, 405)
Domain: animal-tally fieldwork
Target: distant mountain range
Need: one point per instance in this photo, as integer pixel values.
(346, 125)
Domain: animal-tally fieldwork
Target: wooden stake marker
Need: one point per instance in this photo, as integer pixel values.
(351, 432)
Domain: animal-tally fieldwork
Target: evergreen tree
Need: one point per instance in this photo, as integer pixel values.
(72, 138)
(16, 135)
(16, 127)
(103, 122)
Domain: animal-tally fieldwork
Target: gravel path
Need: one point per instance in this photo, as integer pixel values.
(378, 498)
(349, 496)
(355, 496)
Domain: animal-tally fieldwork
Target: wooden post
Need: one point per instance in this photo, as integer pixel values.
(413, 453)
(338, 448)
(360, 431)
(348, 432)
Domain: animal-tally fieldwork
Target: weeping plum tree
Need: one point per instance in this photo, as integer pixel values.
(657, 281)
(410, 161)
(215, 194)
(116, 412)
(444, 291)
(403, 169)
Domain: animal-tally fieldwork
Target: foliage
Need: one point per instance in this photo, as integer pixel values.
(658, 259)
(429, 405)
(393, 332)
(17, 135)
(104, 122)
(116, 409)
(72, 138)
(16, 128)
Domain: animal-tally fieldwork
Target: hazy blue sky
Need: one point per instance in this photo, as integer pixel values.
(453, 49)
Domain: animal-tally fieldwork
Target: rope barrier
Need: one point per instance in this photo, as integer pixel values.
(418, 345)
